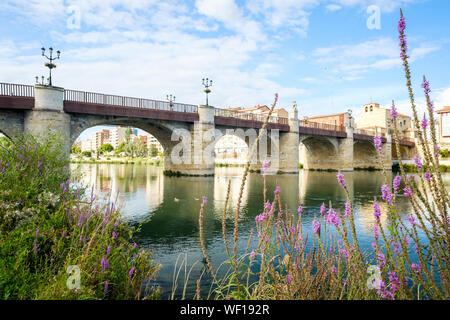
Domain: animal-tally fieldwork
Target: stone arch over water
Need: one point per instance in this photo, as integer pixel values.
(318, 150)
(365, 155)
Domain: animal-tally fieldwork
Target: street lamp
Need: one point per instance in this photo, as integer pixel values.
(171, 99)
(207, 84)
(42, 80)
(50, 64)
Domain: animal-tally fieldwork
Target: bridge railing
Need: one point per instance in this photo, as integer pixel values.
(16, 90)
(113, 100)
(249, 116)
(319, 125)
(369, 132)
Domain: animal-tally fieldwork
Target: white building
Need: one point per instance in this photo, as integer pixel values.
(117, 136)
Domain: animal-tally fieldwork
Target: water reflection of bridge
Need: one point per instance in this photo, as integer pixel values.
(179, 198)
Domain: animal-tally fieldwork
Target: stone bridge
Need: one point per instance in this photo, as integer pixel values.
(40, 109)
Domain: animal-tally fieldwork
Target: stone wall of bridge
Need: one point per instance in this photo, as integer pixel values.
(189, 144)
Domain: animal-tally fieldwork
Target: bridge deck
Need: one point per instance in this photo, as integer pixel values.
(21, 97)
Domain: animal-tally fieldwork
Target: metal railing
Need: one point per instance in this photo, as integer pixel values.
(16, 90)
(319, 125)
(249, 116)
(113, 100)
(369, 132)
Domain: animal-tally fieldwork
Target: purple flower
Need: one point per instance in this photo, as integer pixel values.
(376, 210)
(265, 165)
(277, 190)
(394, 113)
(103, 263)
(108, 250)
(252, 254)
(416, 268)
(386, 194)
(316, 226)
(344, 253)
(411, 220)
(393, 279)
(396, 183)
(289, 279)
(396, 247)
(341, 180)
(377, 142)
(427, 176)
(130, 273)
(268, 206)
(348, 210)
(381, 260)
(134, 245)
(375, 231)
(322, 208)
(114, 235)
(300, 209)
(37, 232)
(407, 192)
(105, 290)
(424, 123)
(332, 218)
(417, 162)
(204, 200)
(426, 86)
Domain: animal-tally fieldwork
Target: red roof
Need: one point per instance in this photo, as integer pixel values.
(447, 108)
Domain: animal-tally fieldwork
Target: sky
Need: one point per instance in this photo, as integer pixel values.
(327, 55)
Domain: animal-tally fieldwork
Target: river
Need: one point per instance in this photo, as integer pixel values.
(173, 204)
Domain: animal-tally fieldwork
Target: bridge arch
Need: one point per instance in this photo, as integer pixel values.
(11, 124)
(318, 151)
(160, 129)
(365, 155)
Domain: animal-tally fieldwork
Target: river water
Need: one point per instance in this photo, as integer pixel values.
(173, 204)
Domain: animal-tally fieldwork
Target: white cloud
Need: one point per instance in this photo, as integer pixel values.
(333, 7)
(352, 61)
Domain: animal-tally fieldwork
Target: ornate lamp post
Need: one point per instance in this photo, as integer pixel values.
(207, 84)
(50, 64)
(171, 99)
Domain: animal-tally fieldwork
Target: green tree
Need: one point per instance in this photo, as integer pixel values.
(87, 154)
(75, 150)
(128, 132)
(107, 147)
(135, 148)
(120, 148)
(153, 150)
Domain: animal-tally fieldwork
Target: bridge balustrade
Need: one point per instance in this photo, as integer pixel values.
(16, 90)
(249, 116)
(121, 101)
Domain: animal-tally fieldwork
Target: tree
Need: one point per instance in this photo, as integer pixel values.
(75, 149)
(87, 154)
(153, 150)
(135, 148)
(107, 147)
(120, 148)
(128, 132)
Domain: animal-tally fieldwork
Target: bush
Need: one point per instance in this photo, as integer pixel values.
(46, 225)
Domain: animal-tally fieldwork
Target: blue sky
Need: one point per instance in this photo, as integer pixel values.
(319, 53)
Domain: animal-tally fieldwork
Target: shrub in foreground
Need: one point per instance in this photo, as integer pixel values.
(50, 230)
